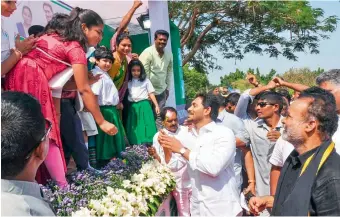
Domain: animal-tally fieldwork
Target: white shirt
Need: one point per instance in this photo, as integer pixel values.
(5, 45)
(139, 90)
(283, 149)
(177, 163)
(281, 152)
(105, 89)
(211, 169)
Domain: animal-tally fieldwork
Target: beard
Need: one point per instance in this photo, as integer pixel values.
(293, 136)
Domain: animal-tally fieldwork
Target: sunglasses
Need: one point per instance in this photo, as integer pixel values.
(49, 128)
(263, 104)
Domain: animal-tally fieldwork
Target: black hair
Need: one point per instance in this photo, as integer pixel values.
(323, 108)
(74, 31)
(232, 99)
(161, 32)
(103, 53)
(165, 110)
(26, 7)
(121, 37)
(48, 5)
(22, 128)
(221, 100)
(272, 97)
(133, 63)
(210, 100)
(35, 30)
(284, 93)
(57, 24)
(188, 104)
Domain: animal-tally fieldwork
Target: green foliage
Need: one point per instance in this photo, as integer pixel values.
(275, 28)
(194, 82)
(302, 76)
(237, 79)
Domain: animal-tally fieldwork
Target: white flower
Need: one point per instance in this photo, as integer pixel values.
(138, 178)
(126, 184)
(82, 212)
(110, 191)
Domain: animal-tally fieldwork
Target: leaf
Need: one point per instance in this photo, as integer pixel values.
(252, 26)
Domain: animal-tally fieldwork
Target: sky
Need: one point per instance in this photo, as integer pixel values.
(328, 58)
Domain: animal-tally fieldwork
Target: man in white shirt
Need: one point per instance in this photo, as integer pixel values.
(237, 126)
(210, 160)
(175, 162)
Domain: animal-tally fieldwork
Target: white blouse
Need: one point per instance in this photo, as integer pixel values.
(5, 45)
(139, 90)
(105, 89)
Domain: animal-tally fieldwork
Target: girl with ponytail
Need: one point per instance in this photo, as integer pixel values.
(58, 49)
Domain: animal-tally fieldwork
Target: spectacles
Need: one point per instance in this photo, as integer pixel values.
(49, 128)
(263, 104)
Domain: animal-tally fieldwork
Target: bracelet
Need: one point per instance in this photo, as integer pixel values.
(251, 181)
(16, 50)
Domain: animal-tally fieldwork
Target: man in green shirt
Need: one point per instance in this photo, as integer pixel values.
(158, 66)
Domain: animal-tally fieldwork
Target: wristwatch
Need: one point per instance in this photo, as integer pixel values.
(182, 151)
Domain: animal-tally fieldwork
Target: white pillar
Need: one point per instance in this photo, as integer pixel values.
(159, 17)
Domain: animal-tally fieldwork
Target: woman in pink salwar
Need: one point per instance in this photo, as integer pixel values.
(83, 29)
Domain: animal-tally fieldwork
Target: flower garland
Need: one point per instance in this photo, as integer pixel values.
(142, 195)
(134, 186)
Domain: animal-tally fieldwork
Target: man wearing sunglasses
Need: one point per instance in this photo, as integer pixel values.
(330, 81)
(262, 132)
(24, 146)
(309, 183)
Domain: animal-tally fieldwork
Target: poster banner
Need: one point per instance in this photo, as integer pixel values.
(31, 13)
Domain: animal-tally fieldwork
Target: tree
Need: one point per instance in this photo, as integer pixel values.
(239, 27)
(302, 76)
(194, 82)
(237, 79)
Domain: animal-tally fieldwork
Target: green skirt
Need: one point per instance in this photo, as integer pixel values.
(140, 123)
(108, 147)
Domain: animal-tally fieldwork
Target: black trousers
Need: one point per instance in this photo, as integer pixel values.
(72, 135)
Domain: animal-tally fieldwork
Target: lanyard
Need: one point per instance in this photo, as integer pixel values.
(323, 159)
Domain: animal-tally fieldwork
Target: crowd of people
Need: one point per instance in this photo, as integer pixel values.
(261, 151)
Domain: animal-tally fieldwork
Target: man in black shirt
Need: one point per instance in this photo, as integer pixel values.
(309, 183)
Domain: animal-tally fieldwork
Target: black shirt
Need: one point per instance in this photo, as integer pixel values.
(325, 199)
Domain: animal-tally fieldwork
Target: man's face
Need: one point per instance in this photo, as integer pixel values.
(230, 108)
(48, 13)
(197, 111)
(216, 91)
(295, 122)
(171, 122)
(335, 90)
(296, 95)
(265, 109)
(161, 41)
